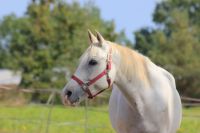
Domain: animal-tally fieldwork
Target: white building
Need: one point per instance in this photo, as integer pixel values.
(8, 77)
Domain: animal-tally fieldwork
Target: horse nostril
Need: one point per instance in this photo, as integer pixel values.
(68, 93)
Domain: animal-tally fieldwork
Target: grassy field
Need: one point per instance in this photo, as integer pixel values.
(34, 119)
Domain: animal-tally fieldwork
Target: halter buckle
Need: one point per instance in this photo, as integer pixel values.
(85, 86)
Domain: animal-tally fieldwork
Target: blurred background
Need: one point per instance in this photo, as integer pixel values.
(42, 40)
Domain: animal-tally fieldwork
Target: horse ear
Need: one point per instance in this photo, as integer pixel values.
(100, 38)
(92, 38)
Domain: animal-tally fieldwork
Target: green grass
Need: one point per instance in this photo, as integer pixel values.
(191, 121)
(33, 119)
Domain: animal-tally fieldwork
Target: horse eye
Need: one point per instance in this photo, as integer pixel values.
(92, 62)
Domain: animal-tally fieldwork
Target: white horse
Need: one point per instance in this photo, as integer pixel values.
(144, 98)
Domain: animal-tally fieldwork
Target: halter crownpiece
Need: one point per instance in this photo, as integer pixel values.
(85, 85)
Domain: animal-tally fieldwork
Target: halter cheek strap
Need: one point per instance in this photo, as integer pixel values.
(85, 86)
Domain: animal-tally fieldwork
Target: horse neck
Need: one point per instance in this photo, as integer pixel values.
(130, 64)
(132, 73)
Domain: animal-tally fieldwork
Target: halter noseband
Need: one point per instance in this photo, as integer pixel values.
(85, 85)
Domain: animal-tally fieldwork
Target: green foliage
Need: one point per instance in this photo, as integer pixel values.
(175, 45)
(47, 41)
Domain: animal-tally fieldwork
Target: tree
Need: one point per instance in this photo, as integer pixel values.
(47, 41)
(175, 45)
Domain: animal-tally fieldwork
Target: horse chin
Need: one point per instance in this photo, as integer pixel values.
(74, 104)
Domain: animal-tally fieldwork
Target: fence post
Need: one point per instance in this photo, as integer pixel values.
(86, 116)
(50, 103)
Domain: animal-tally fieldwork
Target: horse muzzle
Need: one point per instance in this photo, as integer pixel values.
(68, 98)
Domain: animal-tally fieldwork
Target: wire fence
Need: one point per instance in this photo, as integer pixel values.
(84, 122)
(45, 121)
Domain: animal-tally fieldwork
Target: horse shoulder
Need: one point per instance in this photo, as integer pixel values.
(165, 83)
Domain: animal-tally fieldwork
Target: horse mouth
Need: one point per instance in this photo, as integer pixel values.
(68, 102)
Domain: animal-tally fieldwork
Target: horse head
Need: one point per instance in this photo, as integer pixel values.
(95, 72)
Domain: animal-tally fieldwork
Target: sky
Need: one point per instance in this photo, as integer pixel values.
(130, 15)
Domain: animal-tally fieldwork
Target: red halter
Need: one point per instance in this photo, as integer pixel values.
(85, 86)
